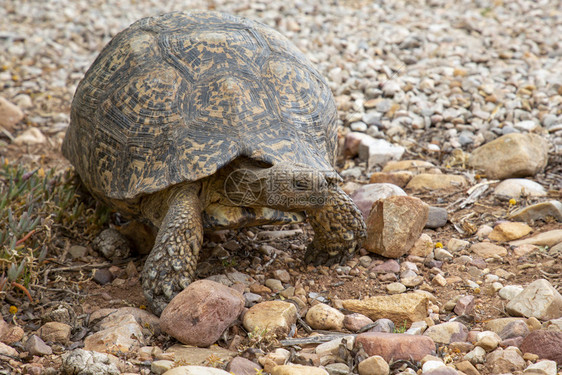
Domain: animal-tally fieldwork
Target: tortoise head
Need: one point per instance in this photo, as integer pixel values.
(283, 186)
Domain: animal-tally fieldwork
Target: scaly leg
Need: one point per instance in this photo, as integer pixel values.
(170, 266)
(339, 230)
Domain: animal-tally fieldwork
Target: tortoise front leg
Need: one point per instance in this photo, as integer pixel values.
(170, 266)
(339, 230)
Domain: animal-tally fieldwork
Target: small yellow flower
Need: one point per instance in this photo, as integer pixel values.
(142, 307)
(41, 172)
(13, 310)
(438, 245)
(512, 202)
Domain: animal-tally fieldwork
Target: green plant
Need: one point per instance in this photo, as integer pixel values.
(35, 207)
(401, 329)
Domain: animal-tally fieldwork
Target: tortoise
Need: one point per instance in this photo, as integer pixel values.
(194, 121)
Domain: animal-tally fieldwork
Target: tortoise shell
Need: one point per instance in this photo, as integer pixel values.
(174, 98)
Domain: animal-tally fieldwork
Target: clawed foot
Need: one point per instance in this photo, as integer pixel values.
(339, 230)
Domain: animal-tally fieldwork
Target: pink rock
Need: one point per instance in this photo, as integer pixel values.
(545, 344)
(242, 366)
(365, 196)
(354, 322)
(390, 266)
(395, 346)
(201, 312)
(465, 305)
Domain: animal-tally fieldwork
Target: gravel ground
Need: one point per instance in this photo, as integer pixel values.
(432, 76)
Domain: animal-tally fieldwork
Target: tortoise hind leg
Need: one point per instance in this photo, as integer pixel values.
(170, 266)
(339, 230)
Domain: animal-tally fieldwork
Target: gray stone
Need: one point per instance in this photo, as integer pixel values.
(84, 362)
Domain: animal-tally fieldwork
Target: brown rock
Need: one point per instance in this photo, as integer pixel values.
(429, 181)
(409, 307)
(488, 250)
(201, 312)
(396, 178)
(394, 225)
(55, 332)
(545, 343)
(10, 333)
(274, 317)
(511, 155)
(467, 367)
(502, 361)
(10, 114)
(416, 166)
(395, 346)
(508, 231)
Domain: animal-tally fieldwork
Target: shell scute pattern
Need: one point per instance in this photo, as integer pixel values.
(175, 98)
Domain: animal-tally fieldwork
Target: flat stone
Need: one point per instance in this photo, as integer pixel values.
(539, 299)
(511, 155)
(298, 370)
(195, 370)
(394, 225)
(509, 231)
(201, 312)
(415, 166)
(400, 178)
(429, 181)
(437, 217)
(518, 187)
(549, 238)
(400, 308)
(539, 211)
(515, 329)
(396, 346)
(488, 250)
(199, 356)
